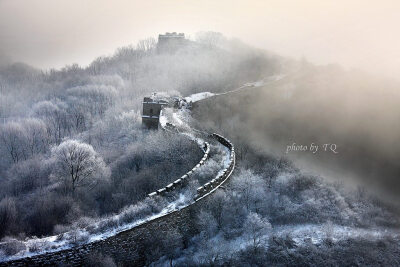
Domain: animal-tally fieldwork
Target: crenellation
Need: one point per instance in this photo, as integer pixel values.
(125, 246)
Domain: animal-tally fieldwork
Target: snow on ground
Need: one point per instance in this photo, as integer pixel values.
(225, 160)
(270, 79)
(54, 243)
(181, 119)
(163, 119)
(203, 95)
(177, 119)
(302, 234)
(198, 96)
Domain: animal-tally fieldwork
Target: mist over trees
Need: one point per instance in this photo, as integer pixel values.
(291, 218)
(72, 142)
(355, 111)
(74, 150)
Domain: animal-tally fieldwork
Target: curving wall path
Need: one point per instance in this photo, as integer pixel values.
(184, 179)
(128, 247)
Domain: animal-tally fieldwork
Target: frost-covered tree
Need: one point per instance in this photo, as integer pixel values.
(146, 44)
(77, 165)
(207, 223)
(35, 136)
(172, 243)
(8, 214)
(93, 99)
(251, 189)
(23, 139)
(26, 176)
(55, 116)
(256, 228)
(12, 141)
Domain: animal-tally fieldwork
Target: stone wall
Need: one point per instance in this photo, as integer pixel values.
(128, 247)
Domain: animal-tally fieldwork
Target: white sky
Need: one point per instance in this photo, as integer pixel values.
(354, 33)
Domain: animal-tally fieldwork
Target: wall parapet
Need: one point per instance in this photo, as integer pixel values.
(183, 180)
(126, 245)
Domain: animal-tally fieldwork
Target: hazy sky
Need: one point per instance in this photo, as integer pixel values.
(52, 33)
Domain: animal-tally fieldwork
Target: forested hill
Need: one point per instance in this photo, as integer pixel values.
(134, 71)
(354, 111)
(271, 213)
(96, 110)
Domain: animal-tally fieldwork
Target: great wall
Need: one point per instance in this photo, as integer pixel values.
(128, 245)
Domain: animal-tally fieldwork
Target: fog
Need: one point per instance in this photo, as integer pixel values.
(353, 111)
(95, 111)
(356, 34)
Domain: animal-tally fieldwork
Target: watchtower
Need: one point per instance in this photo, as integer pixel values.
(152, 107)
(170, 41)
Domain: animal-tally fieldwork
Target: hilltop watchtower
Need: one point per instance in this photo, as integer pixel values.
(170, 41)
(152, 107)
